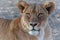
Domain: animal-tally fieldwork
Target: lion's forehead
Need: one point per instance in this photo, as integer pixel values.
(35, 8)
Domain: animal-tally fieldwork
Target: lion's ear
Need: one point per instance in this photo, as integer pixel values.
(22, 5)
(49, 7)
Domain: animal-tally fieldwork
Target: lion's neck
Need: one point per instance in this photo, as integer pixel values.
(42, 32)
(41, 35)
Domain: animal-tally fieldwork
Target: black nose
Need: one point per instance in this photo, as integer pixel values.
(33, 24)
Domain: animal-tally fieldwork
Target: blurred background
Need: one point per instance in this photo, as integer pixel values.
(9, 10)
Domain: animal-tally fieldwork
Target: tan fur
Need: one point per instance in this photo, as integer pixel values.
(15, 29)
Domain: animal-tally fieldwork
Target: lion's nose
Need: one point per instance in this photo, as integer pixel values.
(33, 24)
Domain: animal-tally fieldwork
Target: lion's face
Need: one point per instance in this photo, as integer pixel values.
(34, 16)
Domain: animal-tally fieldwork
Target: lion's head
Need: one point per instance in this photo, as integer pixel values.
(34, 16)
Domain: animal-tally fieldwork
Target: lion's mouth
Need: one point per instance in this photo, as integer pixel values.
(35, 30)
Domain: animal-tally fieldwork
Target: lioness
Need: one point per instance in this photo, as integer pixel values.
(31, 25)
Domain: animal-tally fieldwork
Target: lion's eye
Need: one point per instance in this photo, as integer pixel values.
(28, 15)
(40, 15)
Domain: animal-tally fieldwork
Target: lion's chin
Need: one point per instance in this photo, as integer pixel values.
(35, 33)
